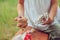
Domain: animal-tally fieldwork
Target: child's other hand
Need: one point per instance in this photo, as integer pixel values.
(49, 21)
(22, 22)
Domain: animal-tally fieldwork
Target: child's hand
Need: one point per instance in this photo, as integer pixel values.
(49, 21)
(22, 22)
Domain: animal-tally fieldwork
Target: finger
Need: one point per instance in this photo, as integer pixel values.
(16, 19)
(19, 19)
(24, 25)
(19, 24)
(47, 22)
(22, 20)
(43, 19)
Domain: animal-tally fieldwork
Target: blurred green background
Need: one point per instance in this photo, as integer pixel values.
(7, 23)
(7, 14)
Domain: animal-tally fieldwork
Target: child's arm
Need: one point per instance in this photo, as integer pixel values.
(22, 21)
(20, 8)
(52, 12)
(53, 9)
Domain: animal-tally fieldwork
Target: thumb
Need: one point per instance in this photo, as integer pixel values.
(45, 23)
(17, 19)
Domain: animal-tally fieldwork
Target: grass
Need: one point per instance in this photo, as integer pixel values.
(7, 14)
(59, 2)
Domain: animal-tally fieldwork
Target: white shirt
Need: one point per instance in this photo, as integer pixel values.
(34, 9)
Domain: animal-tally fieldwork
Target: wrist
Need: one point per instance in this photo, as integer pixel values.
(51, 18)
(20, 15)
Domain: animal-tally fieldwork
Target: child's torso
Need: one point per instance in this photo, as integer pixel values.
(34, 8)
